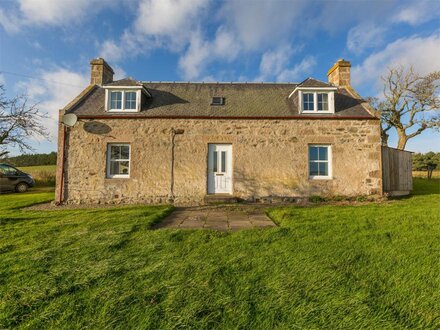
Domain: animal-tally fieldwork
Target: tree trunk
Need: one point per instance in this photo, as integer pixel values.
(384, 137)
(403, 138)
(429, 173)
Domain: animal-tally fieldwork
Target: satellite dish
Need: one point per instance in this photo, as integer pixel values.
(70, 119)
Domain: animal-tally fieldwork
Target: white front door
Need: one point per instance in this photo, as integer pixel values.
(219, 169)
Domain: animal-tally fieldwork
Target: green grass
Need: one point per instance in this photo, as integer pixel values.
(365, 266)
(44, 175)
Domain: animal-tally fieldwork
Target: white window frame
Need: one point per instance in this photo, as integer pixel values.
(108, 90)
(329, 161)
(118, 176)
(315, 91)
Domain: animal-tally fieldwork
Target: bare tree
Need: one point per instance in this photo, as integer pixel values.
(19, 121)
(410, 104)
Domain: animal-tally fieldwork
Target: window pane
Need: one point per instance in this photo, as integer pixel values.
(118, 167)
(125, 152)
(323, 154)
(217, 100)
(116, 100)
(124, 167)
(313, 169)
(223, 161)
(118, 163)
(7, 170)
(313, 153)
(308, 101)
(323, 168)
(322, 102)
(114, 167)
(214, 167)
(115, 152)
(130, 100)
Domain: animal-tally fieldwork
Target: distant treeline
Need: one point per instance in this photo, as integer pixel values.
(31, 160)
(426, 162)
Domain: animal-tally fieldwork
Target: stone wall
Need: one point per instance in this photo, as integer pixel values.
(269, 158)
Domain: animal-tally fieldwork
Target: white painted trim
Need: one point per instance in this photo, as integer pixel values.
(331, 101)
(123, 87)
(212, 176)
(118, 176)
(123, 110)
(141, 88)
(299, 88)
(330, 163)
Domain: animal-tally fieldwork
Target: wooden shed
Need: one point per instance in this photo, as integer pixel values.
(396, 171)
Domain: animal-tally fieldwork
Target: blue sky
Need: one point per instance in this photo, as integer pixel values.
(46, 45)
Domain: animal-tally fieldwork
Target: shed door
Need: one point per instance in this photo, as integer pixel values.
(219, 169)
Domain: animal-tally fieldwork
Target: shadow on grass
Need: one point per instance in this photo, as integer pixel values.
(426, 187)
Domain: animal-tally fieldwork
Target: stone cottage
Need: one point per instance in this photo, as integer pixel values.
(187, 142)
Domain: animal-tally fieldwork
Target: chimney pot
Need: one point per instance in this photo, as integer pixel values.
(101, 73)
(339, 73)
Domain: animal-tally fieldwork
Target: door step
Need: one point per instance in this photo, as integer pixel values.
(220, 199)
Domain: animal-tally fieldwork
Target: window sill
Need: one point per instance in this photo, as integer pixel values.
(117, 177)
(316, 112)
(320, 178)
(119, 110)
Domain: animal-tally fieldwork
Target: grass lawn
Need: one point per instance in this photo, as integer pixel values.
(359, 266)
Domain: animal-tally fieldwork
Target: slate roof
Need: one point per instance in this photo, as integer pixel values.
(252, 100)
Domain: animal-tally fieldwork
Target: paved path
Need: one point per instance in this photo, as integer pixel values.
(219, 218)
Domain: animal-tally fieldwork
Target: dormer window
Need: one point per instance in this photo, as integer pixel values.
(123, 100)
(322, 102)
(115, 100)
(312, 100)
(130, 100)
(217, 100)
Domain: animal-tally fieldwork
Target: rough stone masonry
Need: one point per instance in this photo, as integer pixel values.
(270, 159)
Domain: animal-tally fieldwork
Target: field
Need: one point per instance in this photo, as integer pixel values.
(365, 265)
(424, 174)
(44, 175)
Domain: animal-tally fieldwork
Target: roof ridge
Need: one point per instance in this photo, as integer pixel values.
(219, 82)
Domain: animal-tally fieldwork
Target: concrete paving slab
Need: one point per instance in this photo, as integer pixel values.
(218, 218)
(259, 223)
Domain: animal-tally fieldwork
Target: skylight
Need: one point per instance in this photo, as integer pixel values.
(217, 100)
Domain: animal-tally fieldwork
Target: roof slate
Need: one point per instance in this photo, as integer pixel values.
(251, 100)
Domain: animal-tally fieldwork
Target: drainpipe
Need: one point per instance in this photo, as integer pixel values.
(67, 120)
(174, 132)
(63, 147)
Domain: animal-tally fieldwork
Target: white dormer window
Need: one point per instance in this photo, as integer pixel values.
(122, 100)
(315, 100)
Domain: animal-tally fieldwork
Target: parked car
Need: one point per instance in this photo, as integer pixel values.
(12, 179)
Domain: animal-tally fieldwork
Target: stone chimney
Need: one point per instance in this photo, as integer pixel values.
(339, 74)
(101, 73)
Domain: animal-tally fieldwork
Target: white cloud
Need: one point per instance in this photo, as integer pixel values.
(260, 24)
(111, 51)
(53, 12)
(418, 12)
(201, 53)
(421, 52)
(299, 71)
(50, 12)
(275, 65)
(169, 24)
(273, 62)
(2, 79)
(10, 23)
(364, 36)
(171, 18)
(53, 91)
